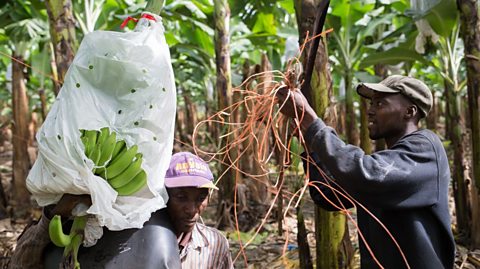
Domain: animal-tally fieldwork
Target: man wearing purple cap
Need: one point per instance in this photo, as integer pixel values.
(188, 181)
(405, 186)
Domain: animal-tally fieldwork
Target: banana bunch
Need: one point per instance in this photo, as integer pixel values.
(71, 242)
(119, 165)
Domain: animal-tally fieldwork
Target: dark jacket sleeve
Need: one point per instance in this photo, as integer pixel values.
(390, 178)
(324, 192)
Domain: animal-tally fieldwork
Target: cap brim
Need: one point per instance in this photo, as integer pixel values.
(189, 181)
(367, 89)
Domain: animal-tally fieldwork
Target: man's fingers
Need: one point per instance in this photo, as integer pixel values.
(68, 202)
(282, 93)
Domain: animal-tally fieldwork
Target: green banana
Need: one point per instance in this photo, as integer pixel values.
(97, 148)
(91, 141)
(138, 182)
(121, 162)
(126, 176)
(92, 136)
(76, 235)
(73, 248)
(95, 155)
(79, 223)
(112, 159)
(107, 149)
(118, 147)
(84, 140)
(104, 133)
(55, 231)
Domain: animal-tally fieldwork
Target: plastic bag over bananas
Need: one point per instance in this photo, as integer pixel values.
(123, 81)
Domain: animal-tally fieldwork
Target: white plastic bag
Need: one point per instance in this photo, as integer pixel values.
(123, 81)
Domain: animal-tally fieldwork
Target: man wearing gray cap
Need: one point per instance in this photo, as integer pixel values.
(405, 186)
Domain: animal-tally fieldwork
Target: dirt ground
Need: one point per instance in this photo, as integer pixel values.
(267, 250)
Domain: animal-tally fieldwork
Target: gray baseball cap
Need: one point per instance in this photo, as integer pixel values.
(412, 88)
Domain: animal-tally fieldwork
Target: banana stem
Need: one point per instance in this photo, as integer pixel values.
(154, 6)
(77, 241)
(76, 232)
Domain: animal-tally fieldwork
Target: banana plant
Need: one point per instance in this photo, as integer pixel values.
(449, 65)
(6, 86)
(262, 27)
(91, 12)
(189, 31)
(355, 24)
(470, 32)
(103, 14)
(189, 35)
(399, 45)
(23, 34)
(25, 26)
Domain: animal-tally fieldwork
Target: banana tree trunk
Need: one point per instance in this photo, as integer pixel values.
(180, 124)
(432, 117)
(365, 142)
(262, 182)
(62, 33)
(21, 162)
(258, 186)
(333, 246)
(380, 71)
(341, 125)
(224, 99)
(3, 202)
(57, 84)
(302, 239)
(43, 104)
(446, 112)
(350, 117)
(247, 162)
(190, 114)
(459, 184)
(470, 32)
(280, 156)
(222, 53)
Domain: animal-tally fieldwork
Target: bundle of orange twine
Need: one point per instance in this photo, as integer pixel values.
(263, 125)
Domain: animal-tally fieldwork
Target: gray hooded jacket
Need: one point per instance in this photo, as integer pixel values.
(405, 187)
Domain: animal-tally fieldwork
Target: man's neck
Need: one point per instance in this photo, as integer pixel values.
(184, 238)
(410, 128)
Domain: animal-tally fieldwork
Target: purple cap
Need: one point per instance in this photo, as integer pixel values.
(188, 170)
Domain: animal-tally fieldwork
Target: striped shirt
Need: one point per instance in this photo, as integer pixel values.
(207, 249)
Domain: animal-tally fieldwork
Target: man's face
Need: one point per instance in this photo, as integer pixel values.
(386, 115)
(185, 206)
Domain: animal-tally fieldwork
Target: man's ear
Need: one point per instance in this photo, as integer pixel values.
(412, 112)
